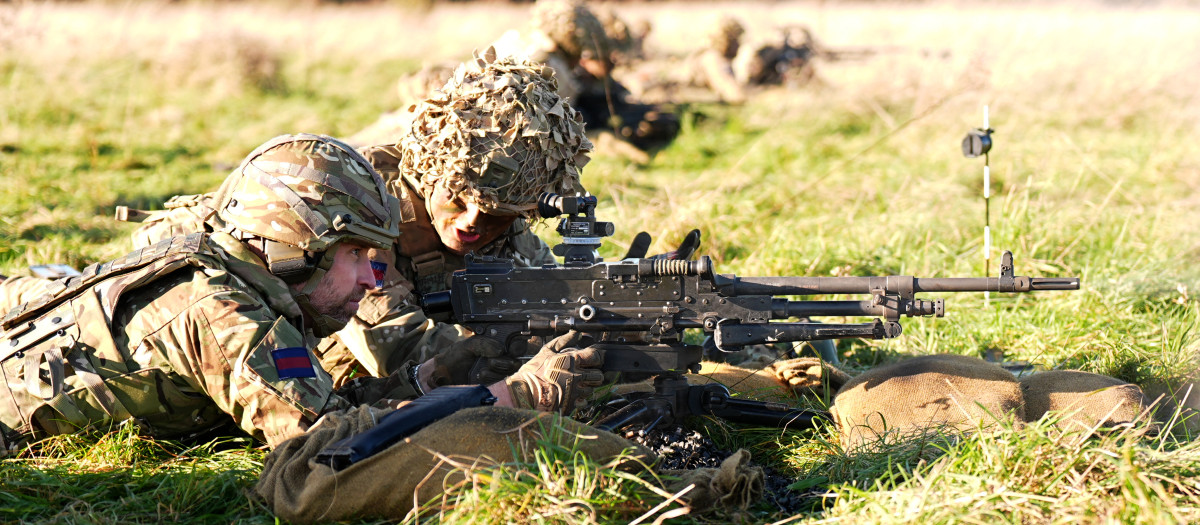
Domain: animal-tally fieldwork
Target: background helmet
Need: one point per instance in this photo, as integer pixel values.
(726, 35)
(572, 27)
(497, 134)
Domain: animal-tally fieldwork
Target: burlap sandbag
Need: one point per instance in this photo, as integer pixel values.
(735, 484)
(1177, 403)
(938, 391)
(759, 384)
(390, 484)
(1081, 399)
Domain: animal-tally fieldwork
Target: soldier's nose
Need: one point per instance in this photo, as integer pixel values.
(366, 274)
(469, 220)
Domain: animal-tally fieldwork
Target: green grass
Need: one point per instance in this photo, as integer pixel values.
(1093, 176)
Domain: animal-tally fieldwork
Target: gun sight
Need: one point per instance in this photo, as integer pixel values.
(551, 205)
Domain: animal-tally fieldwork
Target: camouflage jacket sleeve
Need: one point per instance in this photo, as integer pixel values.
(258, 368)
(389, 331)
(229, 346)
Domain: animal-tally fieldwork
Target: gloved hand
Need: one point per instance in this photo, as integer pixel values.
(641, 243)
(808, 374)
(475, 360)
(559, 376)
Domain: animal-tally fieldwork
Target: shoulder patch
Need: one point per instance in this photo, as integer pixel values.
(380, 270)
(293, 362)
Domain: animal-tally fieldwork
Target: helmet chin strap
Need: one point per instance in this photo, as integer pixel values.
(322, 325)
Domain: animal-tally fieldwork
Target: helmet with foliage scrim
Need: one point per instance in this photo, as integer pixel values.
(497, 134)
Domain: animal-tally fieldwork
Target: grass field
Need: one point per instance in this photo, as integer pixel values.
(1094, 175)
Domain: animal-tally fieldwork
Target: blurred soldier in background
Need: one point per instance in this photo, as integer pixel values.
(784, 58)
(731, 64)
(714, 66)
(567, 36)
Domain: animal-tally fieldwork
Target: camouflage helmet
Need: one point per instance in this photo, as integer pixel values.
(572, 27)
(497, 134)
(297, 196)
(308, 191)
(624, 43)
(726, 35)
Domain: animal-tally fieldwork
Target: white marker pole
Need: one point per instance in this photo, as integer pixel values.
(987, 213)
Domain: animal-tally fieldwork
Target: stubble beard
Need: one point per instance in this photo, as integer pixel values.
(341, 308)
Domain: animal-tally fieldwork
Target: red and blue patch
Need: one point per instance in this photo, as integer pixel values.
(379, 269)
(293, 363)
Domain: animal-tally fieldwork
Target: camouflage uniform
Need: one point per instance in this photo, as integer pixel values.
(182, 335)
(17, 290)
(785, 59)
(713, 67)
(499, 117)
(390, 330)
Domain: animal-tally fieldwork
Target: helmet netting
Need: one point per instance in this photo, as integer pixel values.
(496, 134)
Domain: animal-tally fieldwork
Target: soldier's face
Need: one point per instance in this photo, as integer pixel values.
(344, 285)
(462, 226)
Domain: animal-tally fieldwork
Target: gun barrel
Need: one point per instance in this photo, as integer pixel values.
(901, 284)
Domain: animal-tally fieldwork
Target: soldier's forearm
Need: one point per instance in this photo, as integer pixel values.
(503, 395)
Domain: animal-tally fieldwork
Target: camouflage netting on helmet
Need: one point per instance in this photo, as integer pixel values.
(497, 134)
(572, 26)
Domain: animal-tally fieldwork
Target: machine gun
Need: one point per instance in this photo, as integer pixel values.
(639, 308)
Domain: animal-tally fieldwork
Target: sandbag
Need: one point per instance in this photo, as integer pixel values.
(1082, 400)
(392, 483)
(909, 397)
(1176, 402)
